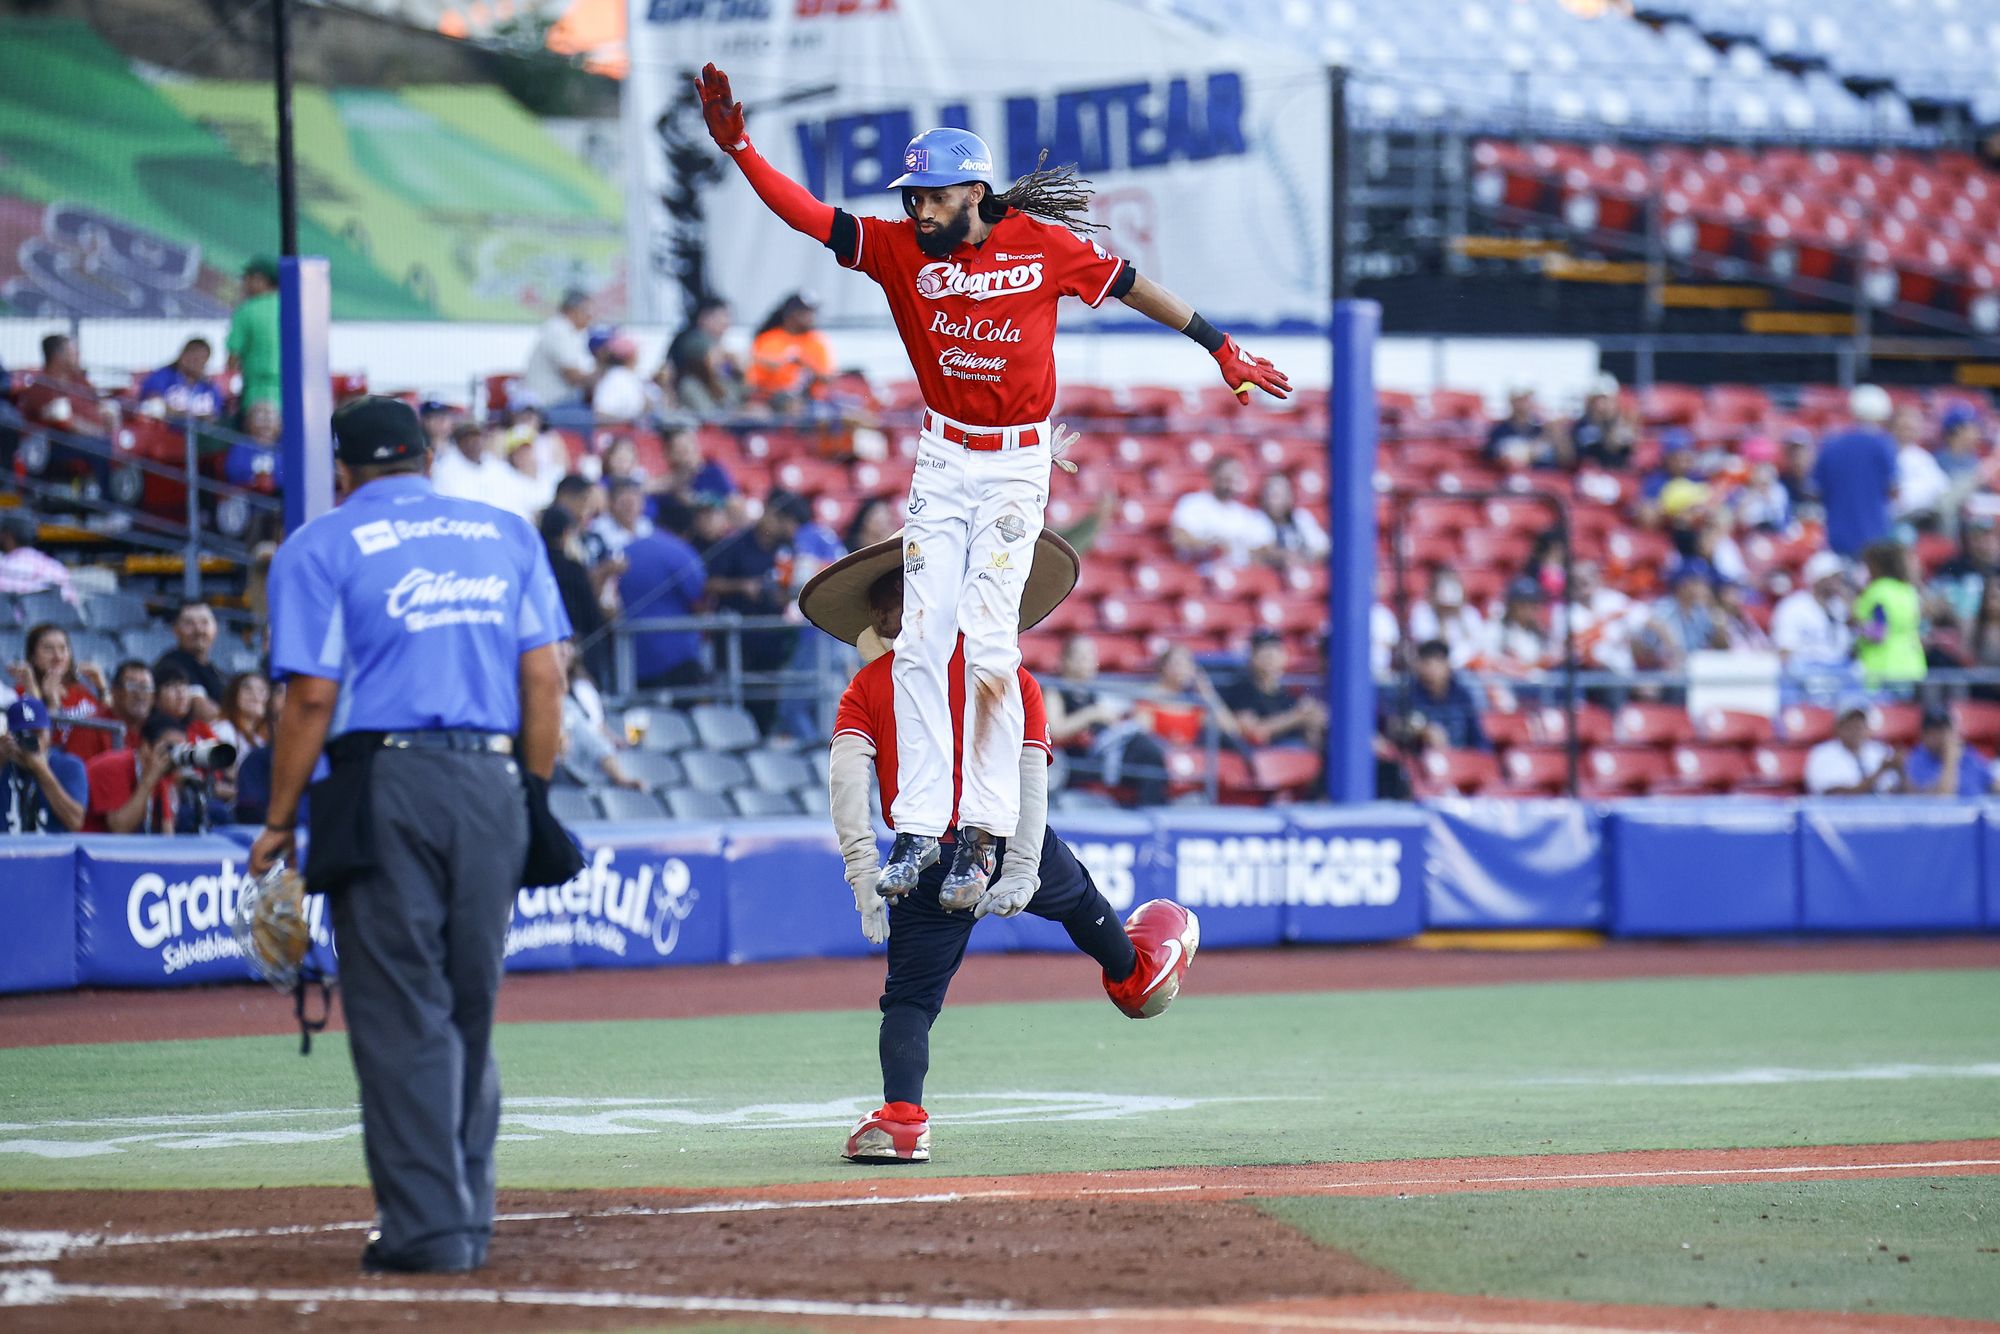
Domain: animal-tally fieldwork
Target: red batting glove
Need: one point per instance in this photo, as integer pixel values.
(1240, 371)
(722, 112)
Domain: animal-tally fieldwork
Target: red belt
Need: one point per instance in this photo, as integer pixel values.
(985, 442)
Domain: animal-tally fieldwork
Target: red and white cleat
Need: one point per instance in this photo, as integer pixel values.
(896, 1132)
(1166, 936)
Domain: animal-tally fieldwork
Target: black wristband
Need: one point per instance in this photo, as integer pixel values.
(1199, 329)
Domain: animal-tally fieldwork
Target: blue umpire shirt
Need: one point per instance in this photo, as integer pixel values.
(419, 605)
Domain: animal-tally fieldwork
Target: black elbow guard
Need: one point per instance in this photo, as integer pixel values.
(845, 239)
(1123, 282)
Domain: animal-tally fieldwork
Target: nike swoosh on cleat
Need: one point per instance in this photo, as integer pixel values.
(1168, 971)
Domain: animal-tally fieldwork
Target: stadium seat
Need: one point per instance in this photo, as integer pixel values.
(1505, 729)
(146, 643)
(36, 608)
(1466, 772)
(572, 804)
(714, 770)
(724, 727)
(1729, 727)
(656, 769)
(1700, 769)
(622, 803)
(1897, 724)
(1776, 771)
(1622, 770)
(1292, 770)
(753, 802)
(94, 646)
(667, 730)
(812, 799)
(1978, 721)
(1535, 771)
(116, 611)
(1644, 724)
(689, 804)
(778, 771)
(1805, 724)
(1548, 725)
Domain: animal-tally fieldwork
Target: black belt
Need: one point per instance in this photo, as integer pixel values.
(351, 745)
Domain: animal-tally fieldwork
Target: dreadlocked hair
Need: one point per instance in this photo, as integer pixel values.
(1054, 194)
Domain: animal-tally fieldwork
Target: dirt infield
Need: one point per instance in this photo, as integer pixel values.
(1157, 1250)
(854, 984)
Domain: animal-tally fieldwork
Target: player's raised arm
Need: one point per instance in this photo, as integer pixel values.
(792, 202)
(1240, 370)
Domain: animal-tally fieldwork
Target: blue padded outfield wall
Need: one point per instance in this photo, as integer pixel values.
(108, 911)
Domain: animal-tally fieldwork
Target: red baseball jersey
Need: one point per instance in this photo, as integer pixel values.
(868, 710)
(980, 327)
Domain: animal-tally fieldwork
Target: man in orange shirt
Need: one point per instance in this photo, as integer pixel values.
(926, 928)
(790, 358)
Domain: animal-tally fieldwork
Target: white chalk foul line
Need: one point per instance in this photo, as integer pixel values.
(1796, 1169)
(37, 1287)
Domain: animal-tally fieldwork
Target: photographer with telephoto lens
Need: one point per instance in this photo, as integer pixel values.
(132, 791)
(42, 790)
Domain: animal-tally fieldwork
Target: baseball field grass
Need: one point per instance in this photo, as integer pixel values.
(759, 1102)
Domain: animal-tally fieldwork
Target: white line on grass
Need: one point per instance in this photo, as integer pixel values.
(1797, 1168)
(38, 1287)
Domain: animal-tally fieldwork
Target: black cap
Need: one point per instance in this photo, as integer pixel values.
(1265, 635)
(373, 431)
(789, 505)
(1937, 718)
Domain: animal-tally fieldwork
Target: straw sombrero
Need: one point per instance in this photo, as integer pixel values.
(836, 599)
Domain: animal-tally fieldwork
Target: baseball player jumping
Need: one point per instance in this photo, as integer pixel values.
(972, 276)
(1143, 961)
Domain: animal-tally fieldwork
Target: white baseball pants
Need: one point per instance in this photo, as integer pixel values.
(969, 541)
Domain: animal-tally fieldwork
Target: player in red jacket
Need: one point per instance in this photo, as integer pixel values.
(1144, 960)
(973, 277)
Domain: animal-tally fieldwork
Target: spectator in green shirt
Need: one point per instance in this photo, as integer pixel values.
(253, 337)
(1888, 624)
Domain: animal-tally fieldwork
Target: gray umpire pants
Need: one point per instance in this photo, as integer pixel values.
(420, 941)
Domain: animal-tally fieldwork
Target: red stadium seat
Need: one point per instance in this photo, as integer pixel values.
(1978, 721)
(1495, 549)
(1617, 770)
(1548, 725)
(1776, 770)
(1119, 614)
(1247, 582)
(1728, 727)
(1507, 729)
(1897, 724)
(1697, 769)
(1536, 771)
(1466, 772)
(1164, 579)
(1123, 654)
(1805, 724)
(1292, 770)
(1642, 724)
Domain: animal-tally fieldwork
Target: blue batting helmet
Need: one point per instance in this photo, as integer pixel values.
(945, 157)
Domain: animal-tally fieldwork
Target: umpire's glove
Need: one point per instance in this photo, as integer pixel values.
(1006, 896)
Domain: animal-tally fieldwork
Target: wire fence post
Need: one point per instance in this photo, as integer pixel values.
(191, 554)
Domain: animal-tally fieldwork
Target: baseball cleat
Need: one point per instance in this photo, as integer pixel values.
(1166, 936)
(909, 856)
(895, 1132)
(971, 870)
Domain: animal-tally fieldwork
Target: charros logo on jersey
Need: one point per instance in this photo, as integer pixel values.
(424, 599)
(976, 330)
(949, 278)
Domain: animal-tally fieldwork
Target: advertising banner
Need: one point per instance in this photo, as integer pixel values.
(39, 953)
(1515, 864)
(1354, 872)
(1232, 866)
(1208, 154)
(788, 894)
(1910, 865)
(1703, 868)
(159, 911)
(647, 895)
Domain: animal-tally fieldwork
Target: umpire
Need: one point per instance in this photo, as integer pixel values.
(418, 633)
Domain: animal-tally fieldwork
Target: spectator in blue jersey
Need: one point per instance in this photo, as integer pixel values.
(42, 790)
(1856, 474)
(1942, 765)
(183, 388)
(663, 577)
